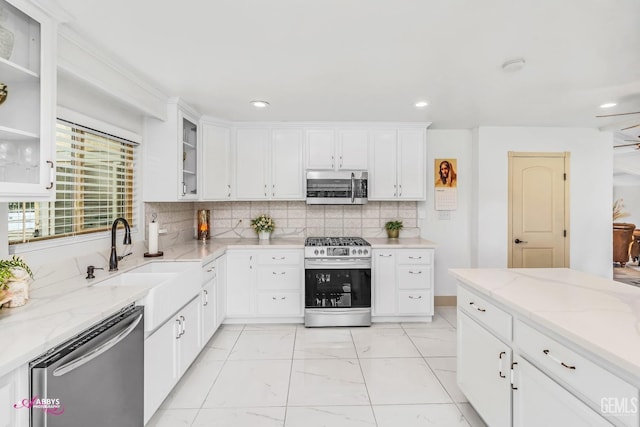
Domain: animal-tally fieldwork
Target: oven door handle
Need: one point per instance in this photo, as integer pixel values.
(353, 187)
(92, 354)
(336, 264)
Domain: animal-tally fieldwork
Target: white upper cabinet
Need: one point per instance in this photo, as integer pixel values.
(170, 155)
(344, 149)
(398, 169)
(216, 162)
(27, 112)
(268, 164)
(287, 170)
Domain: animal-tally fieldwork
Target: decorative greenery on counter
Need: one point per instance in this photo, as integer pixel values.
(394, 225)
(618, 207)
(6, 269)
(263, 223)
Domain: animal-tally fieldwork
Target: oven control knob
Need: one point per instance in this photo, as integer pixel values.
(366, 251)
(359, 251)
(321, 251)
(315, 252)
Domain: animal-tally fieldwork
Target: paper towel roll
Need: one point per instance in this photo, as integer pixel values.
(153, 237)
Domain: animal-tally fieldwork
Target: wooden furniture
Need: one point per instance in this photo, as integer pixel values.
(622, 235)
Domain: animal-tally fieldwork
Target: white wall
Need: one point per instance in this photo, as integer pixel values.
(452, 235)
(591, 191)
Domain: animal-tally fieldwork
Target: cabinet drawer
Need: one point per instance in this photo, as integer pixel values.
(582, 375)
(282, 278)
(208, 272)
(415, 302)
(414, 277)
(279, 303)
(279, 257)
(486, 313)
(415, 257)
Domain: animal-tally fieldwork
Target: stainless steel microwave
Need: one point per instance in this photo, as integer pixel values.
(336, 187)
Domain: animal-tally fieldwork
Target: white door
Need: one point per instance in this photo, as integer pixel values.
(382, 165)
(537, 200)
(540, 401)
(353, 149)
(384, 282)
(412, 176)
(483, 372)
(320, 149)
(190, 337)
(252, 160)
(241, 274)
(216, 162)
(287, 173)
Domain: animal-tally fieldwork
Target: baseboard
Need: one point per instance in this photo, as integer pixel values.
(445, 300)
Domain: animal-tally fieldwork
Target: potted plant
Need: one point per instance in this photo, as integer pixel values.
(14, 281)
(263, 225)
(393, 228)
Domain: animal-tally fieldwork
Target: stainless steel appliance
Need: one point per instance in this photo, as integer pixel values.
(337, 281)
(95, 379)
(336, 187)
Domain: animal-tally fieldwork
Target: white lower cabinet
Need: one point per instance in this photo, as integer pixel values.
(484, 368)
(540, 401)
(208, 300)
(402, 283)
(221, 290)
(168, 352)
(265, 283)
(514, 374)
(14, 387)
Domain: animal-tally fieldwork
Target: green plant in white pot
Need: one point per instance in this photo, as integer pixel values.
(263, 225)
(393, 228)
(15, 275)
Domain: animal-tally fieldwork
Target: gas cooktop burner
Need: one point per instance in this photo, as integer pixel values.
(335, 241)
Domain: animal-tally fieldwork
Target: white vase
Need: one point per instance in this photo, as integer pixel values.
(20, 290)
(6, 43)
(264, 235)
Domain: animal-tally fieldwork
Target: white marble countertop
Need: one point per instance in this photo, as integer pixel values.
(600, 315)
(62, 302)
(401, 243)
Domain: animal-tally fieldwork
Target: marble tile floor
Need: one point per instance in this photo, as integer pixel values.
(388, 375)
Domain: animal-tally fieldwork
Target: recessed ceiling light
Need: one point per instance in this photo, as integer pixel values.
(421, 104)
(260, 104)
(511, 65)
(608, 105)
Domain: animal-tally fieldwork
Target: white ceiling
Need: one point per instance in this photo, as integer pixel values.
(370, 60)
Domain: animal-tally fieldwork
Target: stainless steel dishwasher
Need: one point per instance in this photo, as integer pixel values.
(95, 379)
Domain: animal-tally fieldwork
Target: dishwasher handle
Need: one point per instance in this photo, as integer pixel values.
(92, 354)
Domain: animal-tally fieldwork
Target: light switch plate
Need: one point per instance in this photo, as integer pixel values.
(444, 215)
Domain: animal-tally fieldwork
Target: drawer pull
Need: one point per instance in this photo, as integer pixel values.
(280, 258)
(502, 353)
(558, 361)
(412, 297)
(385, 256)
(281, 298)
(282, 272)
(415, 257)
(211, 269)
(473, 304)
(415, 272)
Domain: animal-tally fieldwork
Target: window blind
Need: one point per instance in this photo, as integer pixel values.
(94, 185)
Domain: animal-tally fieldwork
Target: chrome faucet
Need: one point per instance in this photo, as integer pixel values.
(113, 260)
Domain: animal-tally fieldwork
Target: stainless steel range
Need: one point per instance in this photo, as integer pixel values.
(337, 281)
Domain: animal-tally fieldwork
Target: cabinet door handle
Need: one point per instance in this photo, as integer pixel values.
(395, 190)
(502, 353)
(278, 258)
(179, 329)
(281, 298)
(412, 297)
(281, 273)
(273, 190)
(184, 325)
(228, 190)
(385, 256)
(332, 162)
(250, 262)
(205, 293)
(415, 257)
(513, 387)
(473, 304)
(558, 361)
(51, 172)
(265, 190)
(340, 162)
(184, 188)
(400, 193)
(413, 272)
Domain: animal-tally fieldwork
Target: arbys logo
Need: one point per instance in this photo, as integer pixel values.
(49, 406)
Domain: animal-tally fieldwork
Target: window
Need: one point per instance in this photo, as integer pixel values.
(94, 185)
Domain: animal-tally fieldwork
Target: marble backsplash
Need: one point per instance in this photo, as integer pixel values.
(293, 219)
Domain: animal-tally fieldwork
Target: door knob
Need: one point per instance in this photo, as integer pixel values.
(519, 241)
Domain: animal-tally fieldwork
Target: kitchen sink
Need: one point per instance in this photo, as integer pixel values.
(174, 284)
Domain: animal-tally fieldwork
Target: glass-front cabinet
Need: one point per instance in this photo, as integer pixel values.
(27, 102)
(189, 157)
